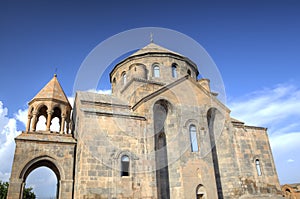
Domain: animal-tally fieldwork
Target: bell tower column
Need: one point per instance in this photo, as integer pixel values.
(28, 122)
(62, 125)
(49, 116)
(34, 120)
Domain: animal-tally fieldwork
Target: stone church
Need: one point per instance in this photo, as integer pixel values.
(161, 134)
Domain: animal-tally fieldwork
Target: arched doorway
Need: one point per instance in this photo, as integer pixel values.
(46, 164)
(160, 111)
(43, 181)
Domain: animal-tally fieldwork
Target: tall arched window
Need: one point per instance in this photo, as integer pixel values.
(156, 72)
(174, 70)
(193, 137)
(125, 165)
(124, 78)
(258, 169)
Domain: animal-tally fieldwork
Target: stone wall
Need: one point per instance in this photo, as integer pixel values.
(239, 148)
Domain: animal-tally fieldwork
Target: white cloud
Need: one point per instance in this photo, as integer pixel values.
(278, 109)
(22, 116)
(8, 131)
(268, 105)
(105, 92)
(3, 116)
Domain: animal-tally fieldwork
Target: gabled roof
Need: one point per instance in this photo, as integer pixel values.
(175, 83)
(52, 91)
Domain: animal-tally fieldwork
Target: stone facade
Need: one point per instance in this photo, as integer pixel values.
(161, 134)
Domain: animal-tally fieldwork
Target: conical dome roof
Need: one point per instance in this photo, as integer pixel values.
(154, 48)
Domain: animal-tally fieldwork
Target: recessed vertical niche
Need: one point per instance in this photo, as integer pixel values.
(160, 111)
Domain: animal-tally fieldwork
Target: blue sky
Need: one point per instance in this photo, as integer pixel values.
(255, 44)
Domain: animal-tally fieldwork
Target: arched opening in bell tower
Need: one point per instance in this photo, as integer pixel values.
(56, 120)
(41, 118)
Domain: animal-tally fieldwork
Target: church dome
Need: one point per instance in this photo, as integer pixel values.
(152, 63)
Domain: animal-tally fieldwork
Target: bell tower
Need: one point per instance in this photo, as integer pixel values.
(47, 141)
(51, 102)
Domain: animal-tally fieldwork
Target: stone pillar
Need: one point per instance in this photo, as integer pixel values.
(65, 189)
(15, 189)
(62, 125)
(34, 120)
(28, 123)
(68, 127)
(49, 117)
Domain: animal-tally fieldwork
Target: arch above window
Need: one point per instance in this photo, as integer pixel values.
(156, 70)
(193, 138)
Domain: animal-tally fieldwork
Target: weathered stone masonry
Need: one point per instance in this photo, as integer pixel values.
(162, 133)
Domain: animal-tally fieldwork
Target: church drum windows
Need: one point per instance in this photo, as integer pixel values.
(174, 70)
(156, 71)
(124, 78)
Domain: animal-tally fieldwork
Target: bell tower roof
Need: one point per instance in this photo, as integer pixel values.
(52, 91)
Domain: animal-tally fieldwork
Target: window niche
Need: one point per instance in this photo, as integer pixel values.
(200, 192)
(124, 78)
(193, 138)
(174, 70)
(258, 167)
(125, 163)
(156, 70)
